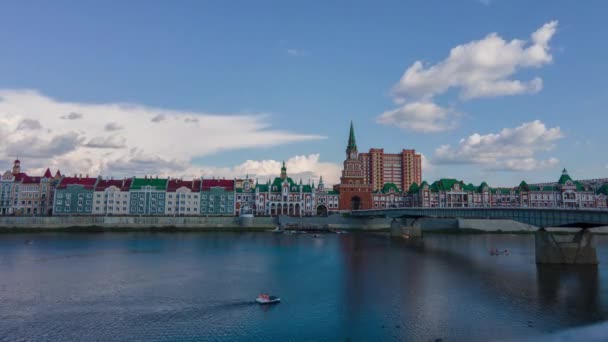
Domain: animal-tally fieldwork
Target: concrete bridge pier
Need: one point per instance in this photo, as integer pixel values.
(565, 249)
(406, 228)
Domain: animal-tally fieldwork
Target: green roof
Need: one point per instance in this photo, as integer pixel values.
(156, 183)
(470, 187)
(262, 187)
(523, 186)
(390, 186)
(564, 178)
(278, 182)
(413, 188)
(445, 184)
(579, 186)
(352, 143)
(603, 190)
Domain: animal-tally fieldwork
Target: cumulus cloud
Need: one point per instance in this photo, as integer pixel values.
(29, 124)
(304, 167)
(481, 68)
(84, 145)
(419, 116)
(511, 149)
(72, 116)
(41, 147)
(112, 126)
(191, 120)
(112, 141)
(158, 118)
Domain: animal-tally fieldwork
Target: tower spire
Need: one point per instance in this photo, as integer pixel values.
(352, 142)
(283, 171)
(351, 148)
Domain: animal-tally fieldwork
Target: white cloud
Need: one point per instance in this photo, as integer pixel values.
(72, 116)
(305, 167)
(112, 126)
(418, 116)
(511, 149)
(84, 145)
(112, 141)
(481, 68)
(29, 124)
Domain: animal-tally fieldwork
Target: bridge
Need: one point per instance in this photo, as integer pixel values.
(541, 218)
(550, 248)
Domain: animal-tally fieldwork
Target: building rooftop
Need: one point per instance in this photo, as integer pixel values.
(122, 184)
(156, 183)
(227, 184)
(86, 182)
(194, 185)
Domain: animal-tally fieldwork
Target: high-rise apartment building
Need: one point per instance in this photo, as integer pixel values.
(401, 169)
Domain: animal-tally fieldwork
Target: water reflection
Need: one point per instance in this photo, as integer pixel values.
(360, 287)
(570, 288)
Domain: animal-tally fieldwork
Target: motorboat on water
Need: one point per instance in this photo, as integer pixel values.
(264, 298)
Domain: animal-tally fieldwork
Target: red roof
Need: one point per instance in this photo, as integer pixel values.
(227, 184)
(193, 185)
(25, 179)
(47, 173)
(123, 185)
(86, 182)
(58, 173)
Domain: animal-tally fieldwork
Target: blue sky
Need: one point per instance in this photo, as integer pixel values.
(295, 74)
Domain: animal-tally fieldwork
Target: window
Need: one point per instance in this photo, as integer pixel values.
(59, 194)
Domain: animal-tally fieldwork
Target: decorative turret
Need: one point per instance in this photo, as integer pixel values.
(564, 178)
(17, 167)
(283, 171)
(321, 184)
(351, 148)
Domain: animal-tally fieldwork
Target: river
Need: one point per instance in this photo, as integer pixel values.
(347, 287)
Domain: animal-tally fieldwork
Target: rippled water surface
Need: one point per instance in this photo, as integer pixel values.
(357, 287)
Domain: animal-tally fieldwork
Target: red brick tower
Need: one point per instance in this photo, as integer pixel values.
(355, 192)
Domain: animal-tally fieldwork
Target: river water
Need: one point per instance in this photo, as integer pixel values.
(348, 287)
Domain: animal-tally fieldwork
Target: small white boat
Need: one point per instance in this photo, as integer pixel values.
(264, 298)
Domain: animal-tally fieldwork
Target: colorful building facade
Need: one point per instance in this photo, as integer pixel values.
(74, 196)
(147, 196)
(183, 197)
(111, 197)
(217, 197)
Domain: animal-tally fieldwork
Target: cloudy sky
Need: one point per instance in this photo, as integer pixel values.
(490, 90)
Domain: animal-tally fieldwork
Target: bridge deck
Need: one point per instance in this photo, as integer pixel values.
(542, 218)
